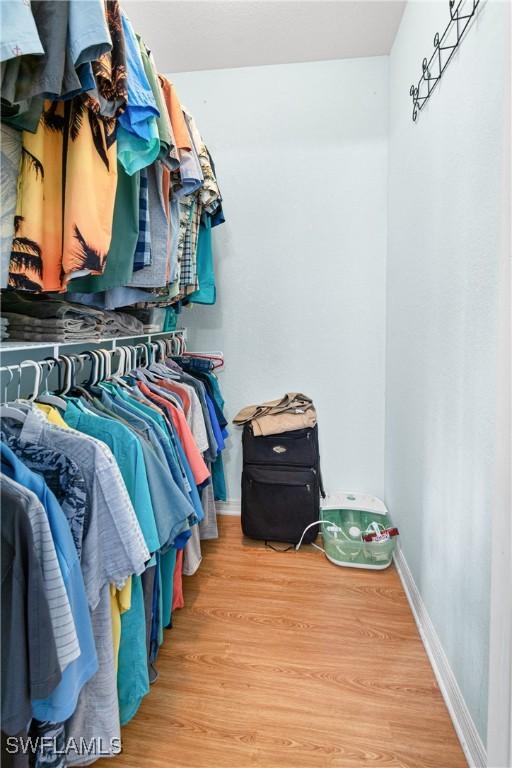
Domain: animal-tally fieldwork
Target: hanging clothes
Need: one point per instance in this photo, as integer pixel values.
(124, 496)
(116, 189)
(68, 178)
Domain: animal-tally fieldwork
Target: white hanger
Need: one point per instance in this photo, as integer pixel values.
(38, 370)
(106, 371)
(7, 411)
(95, 364)
(9, 369)
(121, 368)
(47, 397)
(69, 365)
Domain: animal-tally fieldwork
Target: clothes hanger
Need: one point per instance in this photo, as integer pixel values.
(115, 374)
(129, 360)
(101, 366)
(157, 350)
(46, 397)
(171, 343)
(150, 352)
(68, 373)
(104, 364)
(8, 411)
(9, 370)
(97, 374)
(128, 365)
(216, 359)
(122, 368)
(94, 367)
(110, 375)
(145, 369)
(38, 371)
(75, 388)
(122, 364)
(132, 351)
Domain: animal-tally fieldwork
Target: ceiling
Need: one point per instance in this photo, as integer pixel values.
(216, 34)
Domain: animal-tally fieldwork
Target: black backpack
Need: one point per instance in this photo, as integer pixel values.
(281, 485)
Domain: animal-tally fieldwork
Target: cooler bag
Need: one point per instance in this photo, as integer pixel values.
(281, 485)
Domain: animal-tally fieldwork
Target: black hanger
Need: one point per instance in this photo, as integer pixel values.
(76, 389)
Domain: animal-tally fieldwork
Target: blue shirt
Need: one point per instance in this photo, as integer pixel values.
(88, 34)
(194, 496)
(215, 423)
(119, 408)
(138, 141)
(206, 293)
(168, 440)
(176, 460)
(61, 704)
(170, 508)
(128, 455)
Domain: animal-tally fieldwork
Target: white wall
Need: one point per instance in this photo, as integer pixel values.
(445, 190)
(301, 154)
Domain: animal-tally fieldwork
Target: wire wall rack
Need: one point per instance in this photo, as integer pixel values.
(445, 46)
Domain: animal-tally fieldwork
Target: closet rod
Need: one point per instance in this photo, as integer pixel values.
(161, 344)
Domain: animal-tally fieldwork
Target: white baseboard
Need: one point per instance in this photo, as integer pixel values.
(229, 507)
(469, 737)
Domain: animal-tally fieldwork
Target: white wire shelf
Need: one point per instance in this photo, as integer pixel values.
(19, 346)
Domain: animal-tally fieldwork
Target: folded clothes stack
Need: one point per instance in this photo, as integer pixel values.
(4, 328)
(34, 318)
(121, 324)
(28, 328)
(292, 411)
(153, 319)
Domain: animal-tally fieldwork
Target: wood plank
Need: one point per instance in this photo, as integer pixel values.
(287, 661)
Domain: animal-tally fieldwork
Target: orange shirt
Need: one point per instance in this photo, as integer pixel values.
(179, 126)
(178, 600)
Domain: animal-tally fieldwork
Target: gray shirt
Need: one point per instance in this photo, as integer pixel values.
(28, 643)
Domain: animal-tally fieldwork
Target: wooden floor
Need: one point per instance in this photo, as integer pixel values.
(288, 661)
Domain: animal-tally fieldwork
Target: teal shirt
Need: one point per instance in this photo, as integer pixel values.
(134, 152)
(206, 293)
(132, 664)
(167, 565)
(132, 672)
